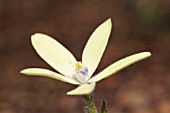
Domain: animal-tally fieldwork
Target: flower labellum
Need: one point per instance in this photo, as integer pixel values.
(79, 72)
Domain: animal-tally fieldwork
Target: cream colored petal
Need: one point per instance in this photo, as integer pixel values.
(48, 73)
(95, 46)
(119, 65)
(55, 54)
(83, 89)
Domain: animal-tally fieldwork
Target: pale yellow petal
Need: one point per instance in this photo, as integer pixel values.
(48, 73)
(119, 65)
(96, 45)
(55, 54)
(83, 89)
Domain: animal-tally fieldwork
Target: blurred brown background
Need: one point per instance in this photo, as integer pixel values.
(138, 25)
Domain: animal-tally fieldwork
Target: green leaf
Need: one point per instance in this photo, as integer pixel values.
(103, 108)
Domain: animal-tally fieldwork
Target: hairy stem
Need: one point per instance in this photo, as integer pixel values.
(90, 107)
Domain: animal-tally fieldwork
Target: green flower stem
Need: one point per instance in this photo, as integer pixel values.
(90, 104)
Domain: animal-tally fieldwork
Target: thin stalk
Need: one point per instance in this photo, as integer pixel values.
(90, 107)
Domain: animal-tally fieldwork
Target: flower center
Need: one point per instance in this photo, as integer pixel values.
(81, 72)
(80, 69)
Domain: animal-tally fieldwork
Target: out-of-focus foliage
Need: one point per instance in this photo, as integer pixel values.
(149, 11)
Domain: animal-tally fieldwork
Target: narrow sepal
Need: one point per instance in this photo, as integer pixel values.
(95, 46)
(48, 73)
(119, 65)
(55, 54)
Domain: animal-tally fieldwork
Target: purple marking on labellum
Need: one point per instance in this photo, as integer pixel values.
(84, 71)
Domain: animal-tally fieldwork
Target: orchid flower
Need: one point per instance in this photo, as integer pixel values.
(79, 72)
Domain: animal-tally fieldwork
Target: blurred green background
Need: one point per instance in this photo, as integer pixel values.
(138, 25)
